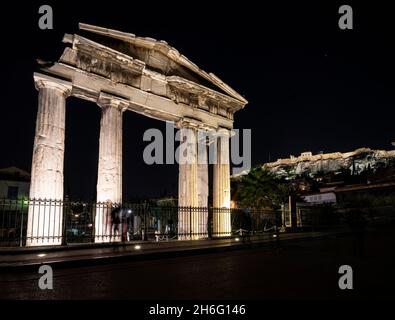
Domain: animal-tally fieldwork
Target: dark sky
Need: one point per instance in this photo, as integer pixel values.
(310, 85)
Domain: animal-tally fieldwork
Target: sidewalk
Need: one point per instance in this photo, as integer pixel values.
(77, 255)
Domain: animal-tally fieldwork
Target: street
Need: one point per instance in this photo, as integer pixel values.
(304, 270)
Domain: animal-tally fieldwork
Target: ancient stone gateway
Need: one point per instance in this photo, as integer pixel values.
(119, 71)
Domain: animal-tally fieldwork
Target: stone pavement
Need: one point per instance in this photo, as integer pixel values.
(89, 254)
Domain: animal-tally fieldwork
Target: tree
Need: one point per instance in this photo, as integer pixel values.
(261, 189)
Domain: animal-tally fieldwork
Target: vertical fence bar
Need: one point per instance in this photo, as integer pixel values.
(14, 219)
(21, 232)
(40, 218)
(2, 219)
(63, 226)
(8, 220)
(145, 222)
(190, 223)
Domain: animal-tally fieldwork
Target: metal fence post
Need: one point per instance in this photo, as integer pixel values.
(21, 232)
(209, 223)
(64, 228)
(145, 222)
(190, 223)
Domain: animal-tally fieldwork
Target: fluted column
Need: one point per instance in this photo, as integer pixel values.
(202, 184)
(221, 186)
(187, 181)
(109, 177)
(45, 214)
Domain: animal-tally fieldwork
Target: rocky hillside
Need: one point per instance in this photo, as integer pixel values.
(355, 161)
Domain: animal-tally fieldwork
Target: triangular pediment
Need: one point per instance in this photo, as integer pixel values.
(158, 56)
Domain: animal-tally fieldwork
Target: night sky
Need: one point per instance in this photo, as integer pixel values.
(310, 85)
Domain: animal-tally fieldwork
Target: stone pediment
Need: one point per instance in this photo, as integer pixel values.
(155, 79)
(158, 56)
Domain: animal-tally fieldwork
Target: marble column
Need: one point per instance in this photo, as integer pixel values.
(187, 182)
(45, 215)
(221, 186)
(109, 177)
(202, 184)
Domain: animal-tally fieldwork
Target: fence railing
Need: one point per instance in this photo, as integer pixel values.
(26, 222)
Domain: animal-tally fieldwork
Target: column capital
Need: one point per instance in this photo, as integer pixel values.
(43, 81)
(191, 123)
(109, 100)
(224, 132)
(187, 123)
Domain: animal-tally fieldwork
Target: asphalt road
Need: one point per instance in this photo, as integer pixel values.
(304, 270)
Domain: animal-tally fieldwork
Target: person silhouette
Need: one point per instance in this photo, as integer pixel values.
(115, 220)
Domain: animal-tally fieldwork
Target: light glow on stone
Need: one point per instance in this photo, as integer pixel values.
(44, 223)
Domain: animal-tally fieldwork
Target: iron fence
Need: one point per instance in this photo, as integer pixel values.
(25, 222)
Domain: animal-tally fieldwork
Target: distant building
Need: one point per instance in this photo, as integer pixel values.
(321, 198)
(306, 154)
(14, 183)
(325, 196)
(343, 194)
(362, 191)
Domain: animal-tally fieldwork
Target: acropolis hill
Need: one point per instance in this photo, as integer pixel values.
(357, 161)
